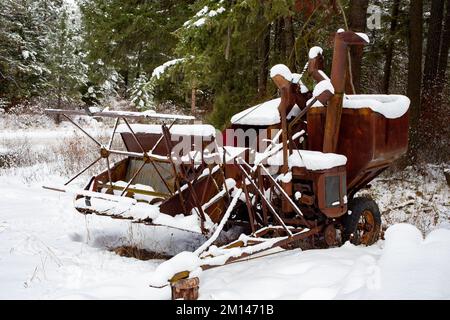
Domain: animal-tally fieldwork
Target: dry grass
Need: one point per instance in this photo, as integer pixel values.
(140, 254)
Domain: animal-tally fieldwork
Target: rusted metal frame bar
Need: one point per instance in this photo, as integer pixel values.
(211, 178)
(162, 137)
(166, 134)
(222, 171)
(134, 137)
(82, 171)
(109, 147)
(76, 125)
(302, 113)
(139, 155)
(283, 242)
(221, 225)
(146, 155)
(251, 214)
(109, 170)
(132, 178)
(285, 95)
(208, 179)
(160, 176)
(269, 205)
(263, 231)
(286, 196)
(115, 114)
(113, 133)
(263, 204)
(175, 173)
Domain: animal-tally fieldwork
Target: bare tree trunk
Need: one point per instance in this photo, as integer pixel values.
(263, 51)
(443, 56)
(290, 42)
(429, 114)
(415, 50)
(193, 98)
(357, 22)
(390, 46)
(279, 40)
(433, 43)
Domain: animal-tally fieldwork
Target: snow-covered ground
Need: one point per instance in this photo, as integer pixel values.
(49, 251)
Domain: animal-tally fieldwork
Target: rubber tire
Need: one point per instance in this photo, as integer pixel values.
(350, 222)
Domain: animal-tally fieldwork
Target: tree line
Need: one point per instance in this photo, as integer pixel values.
(212, 57)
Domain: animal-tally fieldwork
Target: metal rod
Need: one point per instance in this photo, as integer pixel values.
(166, 134)
(269, 205)
(161, 177)
(282, 242)
(82, 171)
(132, 178)
(76, 125)
(302, 113)
(283, 192)
(113, 133)
(161, 138)
(264, 206)
(140, 155)
(134, 136)
(251, 216)
(109, 170)
(175, 173)
(121, 114)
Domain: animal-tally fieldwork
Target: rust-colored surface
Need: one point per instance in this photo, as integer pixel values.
(339, 71)
(370, 142)
(118, 172)
(309, 7)
(149, 140)
(317, 195)
(205, 188)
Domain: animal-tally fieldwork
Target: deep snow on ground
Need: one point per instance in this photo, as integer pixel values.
(49, 251)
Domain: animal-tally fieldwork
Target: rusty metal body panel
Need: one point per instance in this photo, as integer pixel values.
(370, 141)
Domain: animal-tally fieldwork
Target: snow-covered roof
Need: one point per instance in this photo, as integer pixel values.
(391, 106)
(199, 130)
(264, 114)
(311, 160)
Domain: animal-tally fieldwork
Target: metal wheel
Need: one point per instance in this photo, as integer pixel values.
(363, 225)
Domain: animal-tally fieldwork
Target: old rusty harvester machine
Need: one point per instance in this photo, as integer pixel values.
(286, 171)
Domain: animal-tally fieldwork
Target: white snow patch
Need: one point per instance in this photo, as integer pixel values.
(198, 130)
(314, 52)
(264, 114)
(364, 36)
(38, 225)
(202, 12)
(322, 86)
(282, 70)
(159, 71)
(184, 261)
(312, 160)
(199, 22)
(391, 106)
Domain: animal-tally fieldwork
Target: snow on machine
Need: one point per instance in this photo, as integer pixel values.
(286, 171)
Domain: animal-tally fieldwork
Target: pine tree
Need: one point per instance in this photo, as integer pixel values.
(68, 70)
(24, 47)
(140, 94)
